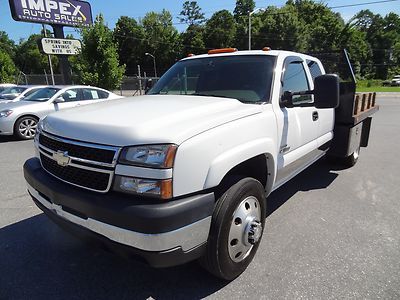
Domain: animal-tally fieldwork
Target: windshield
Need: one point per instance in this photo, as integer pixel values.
(43, 94)
(247, 78)
(14, 90)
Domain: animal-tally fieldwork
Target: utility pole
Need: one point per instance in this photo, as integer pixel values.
(250, 14)
(49, 58)
(154, 63)
(65, 67)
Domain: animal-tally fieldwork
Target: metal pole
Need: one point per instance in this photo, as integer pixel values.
(249, 30)
(49, 58)
(155, 68)
(140, 80)
(65, 67)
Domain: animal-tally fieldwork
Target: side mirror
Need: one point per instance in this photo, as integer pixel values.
(287, 99)
(59, 100)
(149, 85)
(326, 91)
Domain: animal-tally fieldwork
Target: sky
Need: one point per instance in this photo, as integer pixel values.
(112, 10)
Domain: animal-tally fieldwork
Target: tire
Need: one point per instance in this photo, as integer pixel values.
(236, 229)
(351, 160)
(25, 127)
(348, 161)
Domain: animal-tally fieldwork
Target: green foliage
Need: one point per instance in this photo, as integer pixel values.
(98, 62)
(29, 59)
(220, 30)
(8, 70)
(129, 36)
(191, 13)
(243, 8)
(161, 39)
(6, 44)
(192, 40)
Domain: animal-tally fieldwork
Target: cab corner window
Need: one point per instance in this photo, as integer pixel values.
(295, 80)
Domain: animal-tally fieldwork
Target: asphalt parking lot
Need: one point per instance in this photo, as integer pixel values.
(331, 233)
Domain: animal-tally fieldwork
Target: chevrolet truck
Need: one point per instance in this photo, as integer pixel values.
(184, 172)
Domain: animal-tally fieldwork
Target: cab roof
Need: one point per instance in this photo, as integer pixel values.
(254, 52)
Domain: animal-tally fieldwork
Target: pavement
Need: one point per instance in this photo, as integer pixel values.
(330, 233)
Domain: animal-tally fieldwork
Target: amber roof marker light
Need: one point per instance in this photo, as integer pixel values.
(222, 50)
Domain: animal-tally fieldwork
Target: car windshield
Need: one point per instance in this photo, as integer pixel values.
(42, 95)
(246, 78)
(13, 90)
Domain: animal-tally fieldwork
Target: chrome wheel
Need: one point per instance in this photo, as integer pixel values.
(27, 128)
(245, 230)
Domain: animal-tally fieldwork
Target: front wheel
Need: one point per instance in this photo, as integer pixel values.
(236, 229)
(25, 127)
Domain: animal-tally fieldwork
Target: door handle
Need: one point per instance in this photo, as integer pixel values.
(315, 116)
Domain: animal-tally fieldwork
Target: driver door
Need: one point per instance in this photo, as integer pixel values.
(300, 130)
(71, 99)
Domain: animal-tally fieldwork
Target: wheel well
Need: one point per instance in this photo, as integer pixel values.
(255, 167)
(29, 115)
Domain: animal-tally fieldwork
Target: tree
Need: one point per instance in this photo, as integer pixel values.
(243, 8)
(129, 36)
(98, 63)
(281, 28)
(193, 40)
(8, 70)
(29, 59)
(220, 30)
(241, 15)
(6, 44)
(161, 40)
(191, 13)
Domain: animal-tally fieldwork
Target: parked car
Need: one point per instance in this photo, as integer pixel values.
(395, 81)
(20, 118)
(4, 86)
(29, 90)
(12, 92)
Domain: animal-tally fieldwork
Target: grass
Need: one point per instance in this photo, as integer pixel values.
(379, 89)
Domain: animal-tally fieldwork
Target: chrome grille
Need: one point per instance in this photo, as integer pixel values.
(86, 165)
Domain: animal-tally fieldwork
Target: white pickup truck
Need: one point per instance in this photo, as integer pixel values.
(184, 172)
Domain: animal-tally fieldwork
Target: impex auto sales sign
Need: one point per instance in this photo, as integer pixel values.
(57, 12)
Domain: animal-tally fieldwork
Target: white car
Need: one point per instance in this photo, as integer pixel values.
(4, 86)
(395, 81)
(29, 89)
(20, 118)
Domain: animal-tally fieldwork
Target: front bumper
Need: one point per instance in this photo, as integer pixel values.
(6, 126)
(163, 233)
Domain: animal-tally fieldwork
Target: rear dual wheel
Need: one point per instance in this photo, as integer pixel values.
(236, 229)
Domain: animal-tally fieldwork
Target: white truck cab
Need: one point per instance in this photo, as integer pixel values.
(184, 172)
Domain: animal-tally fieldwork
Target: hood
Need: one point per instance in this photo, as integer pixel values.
(8, 96)
(15, 104)
(146, 119)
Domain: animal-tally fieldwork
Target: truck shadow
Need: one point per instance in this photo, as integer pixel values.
(7, 139)
(317, 176)
(38, 260)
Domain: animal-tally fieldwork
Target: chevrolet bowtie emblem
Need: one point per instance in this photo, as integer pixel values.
(62, 158)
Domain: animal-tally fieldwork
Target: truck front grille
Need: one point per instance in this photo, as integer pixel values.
(77, 176)
(85, 152)
(85, 165)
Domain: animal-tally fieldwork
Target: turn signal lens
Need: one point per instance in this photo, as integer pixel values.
(147, 187)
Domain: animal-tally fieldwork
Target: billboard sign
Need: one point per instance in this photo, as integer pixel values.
(55, 12)
(60, 46)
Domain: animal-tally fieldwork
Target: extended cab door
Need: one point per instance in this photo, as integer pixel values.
(299, 125)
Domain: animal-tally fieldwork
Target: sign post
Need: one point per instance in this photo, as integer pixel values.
(57, 13)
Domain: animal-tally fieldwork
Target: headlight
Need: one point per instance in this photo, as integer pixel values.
(158, 156)
(5, 113)
(140, 186)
